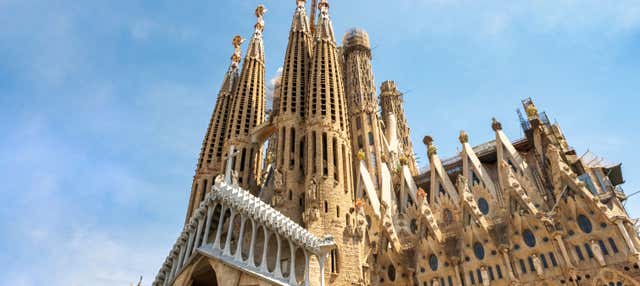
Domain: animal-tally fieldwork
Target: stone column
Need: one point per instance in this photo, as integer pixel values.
(321, 263)
(563, 249)
(207, 225)
(627, 238)
(227, 245)
(254, 232)
(292, 267)
(216, 243)
(507, 263)
(278, 270)
(238, 254)
(263, 264)
(306, 268)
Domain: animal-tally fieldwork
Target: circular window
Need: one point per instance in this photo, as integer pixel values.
(529, 238)
(433, 262)
(391, 272)
(584, 223)
(478, 250)
(483, 205)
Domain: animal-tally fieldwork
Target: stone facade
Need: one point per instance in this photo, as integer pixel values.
(338, 199)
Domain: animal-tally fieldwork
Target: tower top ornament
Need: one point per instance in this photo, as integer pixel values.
(260, 10)
(237, 54)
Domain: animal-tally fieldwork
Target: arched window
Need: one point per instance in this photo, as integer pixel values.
(433, 262)
(337, 211)
(483, 205)
(529, 238)
(585, 224)
(334, 261)
(326, 206)
(478, 250)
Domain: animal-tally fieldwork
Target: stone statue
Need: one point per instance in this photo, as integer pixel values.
(597, 252)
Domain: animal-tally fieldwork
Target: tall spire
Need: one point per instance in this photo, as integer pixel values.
(328, 176)
(210, 159)
(247, 108)
(289, 143)
(325, 27)
(256, 46)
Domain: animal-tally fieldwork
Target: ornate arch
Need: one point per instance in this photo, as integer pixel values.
(202, 274)
(610, 277)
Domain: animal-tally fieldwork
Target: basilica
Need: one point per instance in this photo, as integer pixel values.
(324, 189)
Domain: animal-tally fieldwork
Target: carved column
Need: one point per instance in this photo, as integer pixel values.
(278, 270)
(238, 254)
(263, 264)
(254, 232)
(306, 268)
(292, 267)
(207, 225)
(216, 243)
(321, 263)
(563, 249)
(227, 245)
(507, 262)
(627, 238)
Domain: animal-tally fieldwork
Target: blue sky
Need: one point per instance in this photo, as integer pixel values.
(104, 105)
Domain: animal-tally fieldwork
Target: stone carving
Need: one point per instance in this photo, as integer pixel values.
(312, 191)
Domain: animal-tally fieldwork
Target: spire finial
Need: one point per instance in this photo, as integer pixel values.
(431, 149)
(324, 7)
(260, 10)
(237, 54)
(301, 3)
(464, 137)
(496, 125)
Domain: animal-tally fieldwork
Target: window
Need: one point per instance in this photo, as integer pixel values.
(370, 138)
(552, 257)
(587, 181)
(499, 271)
(391, 272)
(529, 238)
(531, 266)
(334, 261)
(326, 206)
(523, 268)
(543, 259)
(472, 278)
(579, 253)
(490, 270)
(480, 280)
(433, 262)
(325, 168)
(603, 247)
(584, 223)
(483, 205)
(614, 248)
(587, 248)
(478, 250)
(358, 123)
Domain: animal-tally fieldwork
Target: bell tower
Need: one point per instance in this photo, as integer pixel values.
(210, 159)
(362, 103)
(328, 180)
(290, 112)
(247, 110)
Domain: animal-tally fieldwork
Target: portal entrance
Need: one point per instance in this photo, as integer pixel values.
(204, 275)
